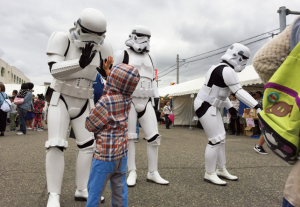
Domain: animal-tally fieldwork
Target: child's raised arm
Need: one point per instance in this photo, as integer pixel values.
(97, 118)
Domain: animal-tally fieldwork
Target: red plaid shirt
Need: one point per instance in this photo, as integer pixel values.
(109, 119)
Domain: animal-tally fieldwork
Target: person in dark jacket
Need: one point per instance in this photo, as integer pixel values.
(26, 93)
(3, 115)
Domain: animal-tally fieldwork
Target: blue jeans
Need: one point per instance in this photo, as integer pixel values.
(22, 115)
(285, 203)
(101, 172)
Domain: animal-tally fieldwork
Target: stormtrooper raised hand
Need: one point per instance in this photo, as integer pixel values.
(73, 58)
(221, 80)
(143, 101)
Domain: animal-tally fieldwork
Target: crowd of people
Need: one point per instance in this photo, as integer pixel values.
(235, 122)
(26, 110)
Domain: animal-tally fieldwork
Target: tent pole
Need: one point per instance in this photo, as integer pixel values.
(191, 128)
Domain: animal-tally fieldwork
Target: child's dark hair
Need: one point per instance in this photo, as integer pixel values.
(40, 96)
(30, 85)
(24, 86)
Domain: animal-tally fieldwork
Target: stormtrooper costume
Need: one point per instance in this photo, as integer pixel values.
(145, 97)
(221, 80)
(73, 58)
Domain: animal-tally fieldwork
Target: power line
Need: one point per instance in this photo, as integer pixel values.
(212, 55)
(210, 62)
(230, 45)
(185, 62)
(167, 68)
(170, 71)
(226, 50)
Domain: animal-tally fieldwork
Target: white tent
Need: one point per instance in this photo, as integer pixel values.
(183, 103)
(37, 89)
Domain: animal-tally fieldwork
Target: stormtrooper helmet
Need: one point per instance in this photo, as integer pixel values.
(90, 27)
(237, 56)
(139, 39)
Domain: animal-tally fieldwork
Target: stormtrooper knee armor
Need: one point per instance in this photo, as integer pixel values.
(144, 95)
(221, 80)
(73, 58)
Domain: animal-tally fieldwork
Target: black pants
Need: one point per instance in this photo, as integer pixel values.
(3, 117)
(167, 121)
(233, 122)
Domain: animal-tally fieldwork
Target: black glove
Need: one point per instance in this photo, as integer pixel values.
(233, 113)
(100, 69)
(87, 55)
(258, 106)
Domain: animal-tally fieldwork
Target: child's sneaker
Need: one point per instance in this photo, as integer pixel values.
(20, 133)
(13, 130)
(28, 128)
(35, 129)
(39, 130)
(31, 127)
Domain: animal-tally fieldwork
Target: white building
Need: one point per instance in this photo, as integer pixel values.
(10, 74)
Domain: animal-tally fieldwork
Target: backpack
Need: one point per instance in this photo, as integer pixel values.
(280, 120)
(6, 105)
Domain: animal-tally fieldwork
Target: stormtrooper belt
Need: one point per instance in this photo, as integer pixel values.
(79, 88)
(215, 102)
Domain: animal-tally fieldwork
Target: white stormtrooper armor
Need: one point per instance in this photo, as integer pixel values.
(142, 103)
(72, 98)
(221, 80)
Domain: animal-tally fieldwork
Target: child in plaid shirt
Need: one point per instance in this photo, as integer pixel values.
(108, 120)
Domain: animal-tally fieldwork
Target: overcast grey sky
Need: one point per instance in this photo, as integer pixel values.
(179, 27)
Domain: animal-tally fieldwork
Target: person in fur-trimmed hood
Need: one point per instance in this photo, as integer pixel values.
(109, 120)
(266, 62)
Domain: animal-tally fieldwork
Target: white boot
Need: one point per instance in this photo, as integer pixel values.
(131, 180)
(82, 195)
(223, 173)
(53, 200)
(213, 178)
(156, 178)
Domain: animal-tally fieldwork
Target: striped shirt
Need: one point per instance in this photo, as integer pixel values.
(109, 119)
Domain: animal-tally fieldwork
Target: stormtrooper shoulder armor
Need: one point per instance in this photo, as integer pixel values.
(153, 60)
(106, 49)
(58, 44)
(230, 77)
(119, 57)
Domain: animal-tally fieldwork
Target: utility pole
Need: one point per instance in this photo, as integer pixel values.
(282, 17)
(177, 61)
(283, 12)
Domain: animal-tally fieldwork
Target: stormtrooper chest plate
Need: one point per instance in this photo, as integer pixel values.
(143, 64)
(80, 84)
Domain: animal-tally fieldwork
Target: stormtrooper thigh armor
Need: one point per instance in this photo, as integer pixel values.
(77, 109)
(147, 119)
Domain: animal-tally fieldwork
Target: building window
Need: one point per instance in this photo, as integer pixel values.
(2, 72)
(14, 78)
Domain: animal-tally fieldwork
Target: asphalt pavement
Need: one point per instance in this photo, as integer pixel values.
(181, 161)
